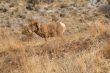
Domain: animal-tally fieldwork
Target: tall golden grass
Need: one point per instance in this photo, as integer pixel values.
(78, 54)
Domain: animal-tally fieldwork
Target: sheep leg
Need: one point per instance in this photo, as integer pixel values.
(61, 36)
(46, 36)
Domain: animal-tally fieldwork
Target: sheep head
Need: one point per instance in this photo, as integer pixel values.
(33, 25)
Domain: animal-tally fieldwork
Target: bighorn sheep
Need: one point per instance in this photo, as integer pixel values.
(47, 30)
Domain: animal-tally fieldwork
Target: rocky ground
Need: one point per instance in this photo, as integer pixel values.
(86, 48)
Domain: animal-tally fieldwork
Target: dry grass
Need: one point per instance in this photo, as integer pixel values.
(86, 48)
(77, 54)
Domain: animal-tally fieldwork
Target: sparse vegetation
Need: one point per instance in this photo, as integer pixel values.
(86, 48)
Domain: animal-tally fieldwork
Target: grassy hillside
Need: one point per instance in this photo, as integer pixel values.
(86, 44)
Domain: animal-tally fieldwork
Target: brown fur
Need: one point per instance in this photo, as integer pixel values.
(46, 30)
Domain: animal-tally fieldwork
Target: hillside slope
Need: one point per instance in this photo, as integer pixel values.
(86, 48)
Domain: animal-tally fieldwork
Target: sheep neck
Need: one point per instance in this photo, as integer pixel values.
(40, 33)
